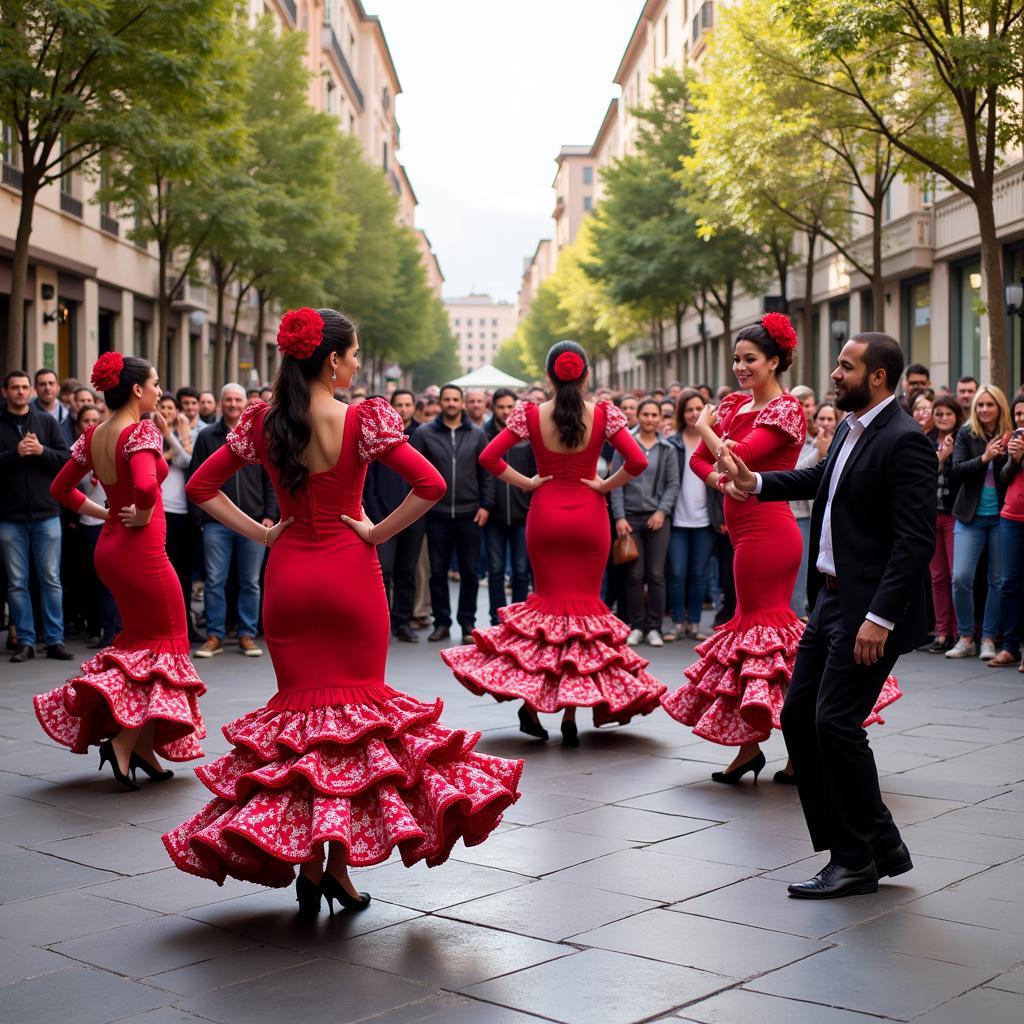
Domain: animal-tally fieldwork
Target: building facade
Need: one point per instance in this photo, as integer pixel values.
(931, 250)
(481, 324)
(91, 289)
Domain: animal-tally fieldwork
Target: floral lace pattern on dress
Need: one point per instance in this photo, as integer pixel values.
(734, 693)
(126, 688)
(144, 437)
(373, 776)
(242, 440)
(380, 429)
(79, 450)
(784, 413)
(517, 422)
(614, 419)
(557, 657)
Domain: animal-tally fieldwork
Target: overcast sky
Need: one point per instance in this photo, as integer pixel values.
(491, 90)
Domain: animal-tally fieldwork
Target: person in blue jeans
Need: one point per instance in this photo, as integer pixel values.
(692, 539)
(979, 454)
(1011, 544)
(32, 452)
(250, 489)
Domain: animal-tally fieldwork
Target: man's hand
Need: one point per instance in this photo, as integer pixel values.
(870, 643)
(657, 520)
(736, 470)
(29, 445)
(481, 517)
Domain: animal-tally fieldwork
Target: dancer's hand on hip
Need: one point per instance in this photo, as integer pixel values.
(275, 531)
(870, 643)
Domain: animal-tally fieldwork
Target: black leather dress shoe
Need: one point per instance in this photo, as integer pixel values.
(834, 881)
(22, 653)
(405, 634)
(896, 862)
(58, 652)
(440, 633)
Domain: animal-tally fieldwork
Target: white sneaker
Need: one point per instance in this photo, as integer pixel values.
(654, 639)
(635, 637)
(988, 649)
(963, 648)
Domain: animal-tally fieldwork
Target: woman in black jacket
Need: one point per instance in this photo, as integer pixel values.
(978, 456)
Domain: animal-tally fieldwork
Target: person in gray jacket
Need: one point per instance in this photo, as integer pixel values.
(641, 508)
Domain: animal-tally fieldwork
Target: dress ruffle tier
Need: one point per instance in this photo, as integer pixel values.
(373, 775)
(126, 685)
(734, 693)
(556, 654)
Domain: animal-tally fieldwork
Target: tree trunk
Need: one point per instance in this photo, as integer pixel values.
(219, 348)
(807, 314)
(877, 282)
(163, 310)
(680, 312)
(19, 278)
(992, 268)
(260, 348)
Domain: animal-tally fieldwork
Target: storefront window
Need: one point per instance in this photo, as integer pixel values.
(1014, 274)
(968, 321)
(917, 322)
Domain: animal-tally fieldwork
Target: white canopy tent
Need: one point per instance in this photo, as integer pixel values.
(488, 377)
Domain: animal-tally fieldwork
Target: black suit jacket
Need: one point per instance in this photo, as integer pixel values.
(883, 523)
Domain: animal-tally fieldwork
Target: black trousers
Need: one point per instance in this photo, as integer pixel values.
(648, 569)
(461, 535)
(182, 537)
(398, 558)
(828, 699)
(723, 551)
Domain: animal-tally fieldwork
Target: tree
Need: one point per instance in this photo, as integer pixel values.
(442, 364)
(954, 71)
(73, 79)
(511, 357)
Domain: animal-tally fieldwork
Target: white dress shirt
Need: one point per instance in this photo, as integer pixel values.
(826, 556)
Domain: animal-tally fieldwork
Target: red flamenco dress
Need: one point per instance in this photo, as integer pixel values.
(146, 674)
(562, 647)
(734, 693)
(336, 755)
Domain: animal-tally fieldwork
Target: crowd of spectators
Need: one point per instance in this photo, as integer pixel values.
(476, 535)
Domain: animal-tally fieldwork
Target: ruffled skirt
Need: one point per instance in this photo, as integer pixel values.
(734, 693)
(556, 654)
(374, 775)
(124, 686)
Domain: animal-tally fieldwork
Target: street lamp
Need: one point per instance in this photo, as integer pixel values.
(1015, 299)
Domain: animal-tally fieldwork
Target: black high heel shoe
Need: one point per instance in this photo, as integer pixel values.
(570, 735)
(530, 725)
(308, 896)
(755, 765)
(156, 774)
(334, 890)
(107, 754)
(784, 778)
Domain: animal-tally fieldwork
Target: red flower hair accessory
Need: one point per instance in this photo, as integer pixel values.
(106, 371)
(569, 367)
(301, 331)
(780, 328)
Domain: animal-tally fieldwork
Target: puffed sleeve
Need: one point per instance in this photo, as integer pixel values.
(785, 414)
(144, 438)
(242, 440)
(64, 486)
(517, 422)
(380, 429)
(614, 419)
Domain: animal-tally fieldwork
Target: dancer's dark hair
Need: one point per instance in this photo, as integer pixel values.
(135, 371)
(569, 404)
(287, 423)
(759, 336)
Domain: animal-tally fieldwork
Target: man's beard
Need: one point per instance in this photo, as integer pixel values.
(855, 398)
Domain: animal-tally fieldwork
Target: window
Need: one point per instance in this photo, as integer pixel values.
(887, 214)
(917, 320)
(588, 175)
(469, 334)
(457, 321)
(329, 13)
(664, 37)
(494, 334)
(384, 153)
(965, 320)
(494, 323)
(483, 322)
(588, 203)
(331, 99)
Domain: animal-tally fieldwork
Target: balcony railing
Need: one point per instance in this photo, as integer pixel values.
(330, 42)
(109, 224)
(187, 296)
(69, 204)
(11, 175)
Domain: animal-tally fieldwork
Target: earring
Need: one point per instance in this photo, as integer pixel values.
(334, 373)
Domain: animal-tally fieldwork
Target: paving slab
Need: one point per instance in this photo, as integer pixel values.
(626, 823)
(27, 873)
(446, 1008)
(68, 915)
(20, 961)
(228, 969)
(597, 985)
(430, 889)
(982, 1006)
(126, 850)
(738, 1006)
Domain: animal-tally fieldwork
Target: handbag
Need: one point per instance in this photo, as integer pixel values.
(624, 550)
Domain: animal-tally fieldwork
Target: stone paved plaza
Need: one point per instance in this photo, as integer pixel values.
(624, 886)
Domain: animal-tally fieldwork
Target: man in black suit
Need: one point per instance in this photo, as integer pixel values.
(872, 537)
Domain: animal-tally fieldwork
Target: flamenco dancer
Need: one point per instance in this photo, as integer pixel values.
(562, 648)
(734, 693)
(337, 758)
(872, 537)
(139, 697)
